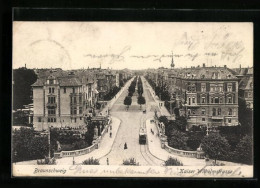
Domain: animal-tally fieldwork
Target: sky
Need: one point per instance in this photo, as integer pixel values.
(132, 45)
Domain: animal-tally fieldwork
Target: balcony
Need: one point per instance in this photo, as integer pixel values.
(192, 105)
(217, 117)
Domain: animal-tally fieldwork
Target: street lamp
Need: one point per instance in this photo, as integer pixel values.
(49, 142)
(15, 155)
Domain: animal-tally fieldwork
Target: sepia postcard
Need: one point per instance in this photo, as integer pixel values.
(132, 99)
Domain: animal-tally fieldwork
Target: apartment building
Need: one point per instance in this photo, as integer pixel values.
(207, 95)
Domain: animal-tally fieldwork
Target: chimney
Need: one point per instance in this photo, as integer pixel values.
(203, 65)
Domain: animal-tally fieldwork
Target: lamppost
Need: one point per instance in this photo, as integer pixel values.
(207, 129)
(49, 142)
(15, 155)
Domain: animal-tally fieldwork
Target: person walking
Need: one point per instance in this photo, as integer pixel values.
(125, 146)
(110, 134)
(107, 161)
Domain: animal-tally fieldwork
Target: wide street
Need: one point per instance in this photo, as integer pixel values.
(128, 132)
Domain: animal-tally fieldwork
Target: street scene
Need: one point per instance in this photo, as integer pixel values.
(123, 105)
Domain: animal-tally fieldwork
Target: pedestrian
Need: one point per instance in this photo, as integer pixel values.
(125, 146)
(107, 161)
(110, 134)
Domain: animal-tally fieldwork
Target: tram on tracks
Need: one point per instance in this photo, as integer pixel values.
(142, 136)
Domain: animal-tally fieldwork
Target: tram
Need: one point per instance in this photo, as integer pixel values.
(142, 136)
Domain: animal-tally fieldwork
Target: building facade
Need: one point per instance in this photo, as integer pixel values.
(64, 98)
(208, 96)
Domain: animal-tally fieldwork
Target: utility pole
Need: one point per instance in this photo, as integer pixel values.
(49, 141)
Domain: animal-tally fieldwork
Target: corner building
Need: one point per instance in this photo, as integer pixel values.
(208, 95)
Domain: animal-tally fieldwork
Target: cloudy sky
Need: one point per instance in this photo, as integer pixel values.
(134, 45)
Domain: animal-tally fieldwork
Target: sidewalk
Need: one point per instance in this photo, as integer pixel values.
(105, 147)
(156, 150)
(163, 110)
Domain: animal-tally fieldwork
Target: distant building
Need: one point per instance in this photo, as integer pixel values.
(246, 85)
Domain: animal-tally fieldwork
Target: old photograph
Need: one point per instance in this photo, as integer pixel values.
(132, 99)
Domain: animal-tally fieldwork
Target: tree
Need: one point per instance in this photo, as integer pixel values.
(178, 140)
(128, 101)
(216, 146)
(23, 79)
(131, 162)
(91, 161)
(244, 150)
(141, 101)
(165, 96)
(181, 123)
(172, 162)
(26, 146)
(163, 119)
(245, 116)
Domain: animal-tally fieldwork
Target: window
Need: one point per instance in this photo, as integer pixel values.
(229, 88)
(51, 111)
(75, 110)
(213, 111)
(39, 119)
(52, 90)
(80, 99)
(212, 100)
(75, 120)
(230, 100)
(193, 99)
(230, 111)
(203, 119)
(80, 110)
(189, 112)
(51, 100)
(49, 90)
(75, 99)
(219, 111)
(229, 120)
(203, 100)
(220, 100)
(64, 89)
(73, 90)
(220, 88)
(51, 81)
(189, 100)
(216, 100)
(203, 88)
(50, 120)
(203, 111)
(80, 118)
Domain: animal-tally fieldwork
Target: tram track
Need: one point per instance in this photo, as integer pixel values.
(144, 150)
